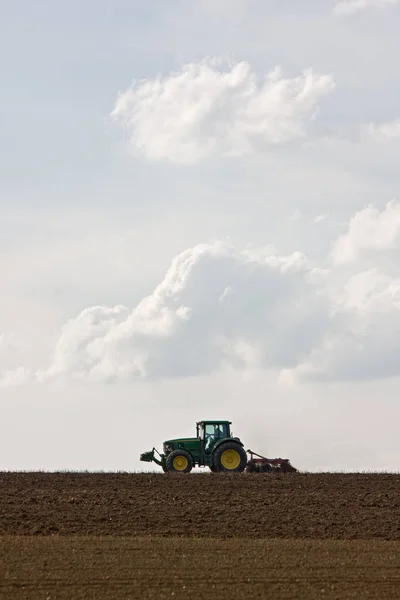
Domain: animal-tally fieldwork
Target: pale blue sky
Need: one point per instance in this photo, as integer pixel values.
(86, 220)
(63, 63)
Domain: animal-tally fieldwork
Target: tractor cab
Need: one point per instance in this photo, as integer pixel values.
(210, 432)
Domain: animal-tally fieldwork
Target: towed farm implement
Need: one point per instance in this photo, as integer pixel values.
(215, 447)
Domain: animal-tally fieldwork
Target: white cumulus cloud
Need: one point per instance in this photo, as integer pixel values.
(219, 307)
(388, 131)
(348, 7)
(205, 110)
(216, 306)
(369, 229)
(363, 341)
(14, 377)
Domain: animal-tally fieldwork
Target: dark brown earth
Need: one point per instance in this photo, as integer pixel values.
(332, 506)
(107, 536)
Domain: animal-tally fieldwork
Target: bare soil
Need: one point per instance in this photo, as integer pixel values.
(112, 568)
(329, 506)
(107, 536)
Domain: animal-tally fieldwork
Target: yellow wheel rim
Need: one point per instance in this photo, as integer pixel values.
(230, 459)
(180, 463)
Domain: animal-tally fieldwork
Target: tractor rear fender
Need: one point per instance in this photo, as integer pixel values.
(224, 440)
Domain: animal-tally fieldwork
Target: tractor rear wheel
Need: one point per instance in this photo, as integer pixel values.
(230, 458)
(179, 461)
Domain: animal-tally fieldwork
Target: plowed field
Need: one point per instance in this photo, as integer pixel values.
(199, 536)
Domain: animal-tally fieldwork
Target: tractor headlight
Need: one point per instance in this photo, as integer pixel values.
(168, 448)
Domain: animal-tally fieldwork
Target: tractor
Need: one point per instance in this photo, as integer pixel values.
(215, 447)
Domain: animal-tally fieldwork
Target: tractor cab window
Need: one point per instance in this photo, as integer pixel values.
(214, 431)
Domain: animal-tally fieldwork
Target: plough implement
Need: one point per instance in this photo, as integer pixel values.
(268, 465)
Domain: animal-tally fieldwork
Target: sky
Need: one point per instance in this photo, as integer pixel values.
(199, 218)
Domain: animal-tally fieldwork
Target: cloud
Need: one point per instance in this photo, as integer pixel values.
(369, 230)
(320, 218)
(348, 7)
(222, 308)
(14, 377)
(11, 375)
(389, 130)
(362, 342)
(215, 307)
(204, 110)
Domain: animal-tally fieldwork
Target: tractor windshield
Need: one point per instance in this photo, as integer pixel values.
(214, 431)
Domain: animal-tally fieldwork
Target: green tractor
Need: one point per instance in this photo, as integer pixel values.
(213, 447)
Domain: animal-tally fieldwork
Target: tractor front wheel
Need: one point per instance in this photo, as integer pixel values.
(230, 458)
(179, 461)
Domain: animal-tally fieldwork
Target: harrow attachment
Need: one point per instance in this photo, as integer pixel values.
(261, 464)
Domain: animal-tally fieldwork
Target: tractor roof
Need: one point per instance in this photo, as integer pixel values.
(215, 421)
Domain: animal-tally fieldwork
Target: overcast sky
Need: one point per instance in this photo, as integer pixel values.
(199, 218)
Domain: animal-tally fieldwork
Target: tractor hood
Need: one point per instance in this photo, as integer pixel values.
(191, 444)
(181, 440)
